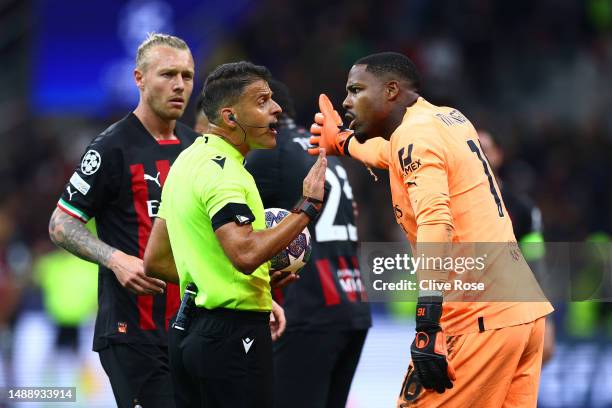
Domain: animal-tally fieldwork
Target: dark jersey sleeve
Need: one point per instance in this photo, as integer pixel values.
(265, 167)
(280, 172)
(95, 181)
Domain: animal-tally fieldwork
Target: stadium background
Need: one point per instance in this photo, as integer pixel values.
(535, 73)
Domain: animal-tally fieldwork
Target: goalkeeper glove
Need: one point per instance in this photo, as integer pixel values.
(428, 349)
(326, 132)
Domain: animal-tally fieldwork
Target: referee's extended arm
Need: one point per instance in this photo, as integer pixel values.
(248, 249)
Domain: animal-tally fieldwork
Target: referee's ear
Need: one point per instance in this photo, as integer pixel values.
(228, 117)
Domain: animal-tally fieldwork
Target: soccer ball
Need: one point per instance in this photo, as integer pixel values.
(296, 255)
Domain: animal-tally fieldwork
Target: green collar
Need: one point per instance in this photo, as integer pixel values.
(225, 147)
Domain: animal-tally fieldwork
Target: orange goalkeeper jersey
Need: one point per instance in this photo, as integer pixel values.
(439, 175)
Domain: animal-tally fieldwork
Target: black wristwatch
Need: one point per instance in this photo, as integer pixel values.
(309, 206)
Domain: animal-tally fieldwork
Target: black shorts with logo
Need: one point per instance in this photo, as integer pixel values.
(139, 375)
(224, 359)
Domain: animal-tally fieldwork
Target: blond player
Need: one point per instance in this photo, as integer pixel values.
(476, 354)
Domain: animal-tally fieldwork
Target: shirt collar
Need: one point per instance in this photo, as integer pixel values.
(225, 147)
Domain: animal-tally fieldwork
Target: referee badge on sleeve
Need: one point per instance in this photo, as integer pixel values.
(242, 220)
(239, 213)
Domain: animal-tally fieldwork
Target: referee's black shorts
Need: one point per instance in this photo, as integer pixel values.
(224, 359)
(139, 375)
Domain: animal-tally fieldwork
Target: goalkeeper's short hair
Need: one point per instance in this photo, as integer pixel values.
(392, 64)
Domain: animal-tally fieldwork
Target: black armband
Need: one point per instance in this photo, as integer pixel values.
(239, 213)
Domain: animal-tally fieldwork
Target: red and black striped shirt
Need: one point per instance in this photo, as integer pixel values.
(118, 182)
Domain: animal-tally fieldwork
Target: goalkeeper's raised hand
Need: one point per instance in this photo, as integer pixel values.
(326, 131)
(428, 349)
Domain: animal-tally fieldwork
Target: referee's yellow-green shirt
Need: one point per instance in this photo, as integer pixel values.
(204, 179)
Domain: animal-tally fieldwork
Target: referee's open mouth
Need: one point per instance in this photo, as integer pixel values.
(273, 126)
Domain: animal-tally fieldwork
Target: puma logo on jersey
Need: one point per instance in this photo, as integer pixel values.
(155, 179)
(70, 192)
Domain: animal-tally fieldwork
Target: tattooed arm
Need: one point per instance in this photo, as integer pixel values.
(71, 234)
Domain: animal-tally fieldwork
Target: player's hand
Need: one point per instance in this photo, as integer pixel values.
(326, 132)
(314, 183)
(129, 271)
(428, 350)
(280, 279)
(277, 321)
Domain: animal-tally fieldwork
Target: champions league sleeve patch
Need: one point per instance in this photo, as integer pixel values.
(239, 213)
(91, 162)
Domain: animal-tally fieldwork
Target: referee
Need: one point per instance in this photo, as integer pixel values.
(213, 217)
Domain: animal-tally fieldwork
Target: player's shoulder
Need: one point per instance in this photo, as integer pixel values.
(444, 117)
(295, 149)
(292, 143)
(292, 137)
(114, 136)
(430, 123)
(186, 134)
(120, 128)
(215, 164)
(109, 142)
(417, 129)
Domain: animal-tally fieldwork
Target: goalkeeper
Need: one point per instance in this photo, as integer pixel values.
(476, 354)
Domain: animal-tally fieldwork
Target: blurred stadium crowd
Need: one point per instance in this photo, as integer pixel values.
(536, 74)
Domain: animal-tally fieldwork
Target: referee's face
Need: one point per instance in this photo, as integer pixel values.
(167, 81)
(257, 114)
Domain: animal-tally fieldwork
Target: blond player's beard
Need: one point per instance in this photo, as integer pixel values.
(163, 113)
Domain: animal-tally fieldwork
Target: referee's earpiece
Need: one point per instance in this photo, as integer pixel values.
(232, 117)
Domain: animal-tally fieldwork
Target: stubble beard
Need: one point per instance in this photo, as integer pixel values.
(165, 114)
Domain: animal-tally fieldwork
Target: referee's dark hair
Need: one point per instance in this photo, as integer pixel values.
(281, 95)
(226, 83)
(200, 104)
(392, 64)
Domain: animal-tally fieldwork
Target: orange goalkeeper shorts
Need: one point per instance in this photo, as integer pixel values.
(495, 368)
